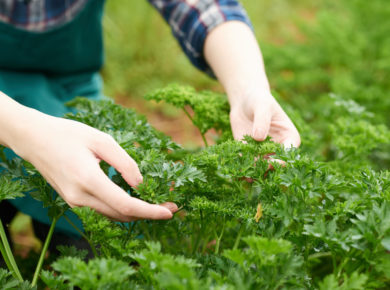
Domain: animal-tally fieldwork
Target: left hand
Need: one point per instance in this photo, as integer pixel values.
(260, 115)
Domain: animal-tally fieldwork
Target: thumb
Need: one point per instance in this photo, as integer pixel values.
(261, 123)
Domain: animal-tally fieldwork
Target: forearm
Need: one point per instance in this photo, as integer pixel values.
(232, 52)
(15, 120)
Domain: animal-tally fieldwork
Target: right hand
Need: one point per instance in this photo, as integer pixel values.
(67, 154)
(259, 115)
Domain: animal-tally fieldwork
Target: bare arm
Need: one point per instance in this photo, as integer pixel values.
(234, 55)
(67, 154)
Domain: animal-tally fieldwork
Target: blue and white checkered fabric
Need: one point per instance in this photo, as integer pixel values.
(192, 20)
(39, 15)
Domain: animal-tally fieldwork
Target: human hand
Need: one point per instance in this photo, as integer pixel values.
(233, 53)
(260, 115)
(67, 154)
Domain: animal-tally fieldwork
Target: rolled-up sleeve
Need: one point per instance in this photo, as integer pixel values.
(192, 20)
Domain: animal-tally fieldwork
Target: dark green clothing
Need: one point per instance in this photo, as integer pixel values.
(43, 70)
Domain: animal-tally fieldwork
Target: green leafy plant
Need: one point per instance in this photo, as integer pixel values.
(303, 224)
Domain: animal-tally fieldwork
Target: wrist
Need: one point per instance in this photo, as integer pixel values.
(238, 96)
(18, 124)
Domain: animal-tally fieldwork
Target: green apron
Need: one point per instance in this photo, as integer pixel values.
(43, 70)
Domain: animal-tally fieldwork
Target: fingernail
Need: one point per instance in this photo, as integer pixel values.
(171, 206)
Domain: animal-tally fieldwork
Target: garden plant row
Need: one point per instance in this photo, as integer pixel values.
(243, 224)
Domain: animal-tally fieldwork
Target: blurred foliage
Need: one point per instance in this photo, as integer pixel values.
(142, 54)
(317, 54)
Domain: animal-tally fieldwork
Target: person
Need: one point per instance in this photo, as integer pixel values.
(52, 51)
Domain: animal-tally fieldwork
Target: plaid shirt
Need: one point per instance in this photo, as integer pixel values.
(190, 20)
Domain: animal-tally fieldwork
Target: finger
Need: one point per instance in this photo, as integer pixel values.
(289, 136)
(261, 122)
(241, 126)
(283, 130)
(84, 199)
(110, 151)
(171, 206)
(115, 197)
(292, 138)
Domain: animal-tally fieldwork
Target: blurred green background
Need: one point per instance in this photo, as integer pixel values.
(141, 53)
(311, 49)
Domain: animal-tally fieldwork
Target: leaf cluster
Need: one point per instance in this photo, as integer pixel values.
(210, 109)
(307, 222)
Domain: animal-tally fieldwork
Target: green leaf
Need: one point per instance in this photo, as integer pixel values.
(96, 274)
(211, 110)
(72, 251)
(53, 281)
(10, 189)
(8, 282)
(354, 282)
(386, 243)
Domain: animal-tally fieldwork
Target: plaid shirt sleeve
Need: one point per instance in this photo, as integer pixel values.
(39, 15)
(192, 20)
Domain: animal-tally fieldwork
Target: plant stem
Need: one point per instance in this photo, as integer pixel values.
(219, 238)
(6, 260)
(7, 254)
(319, 255)
(201, 134)
(306, 254)
(206, 241)
(93, 248)
(43, 252)
(144, 228)
(238, 239)
(201, 230)
(341, 266)
(195, 243)
(132, 227)
(204, 140)
(334, 263)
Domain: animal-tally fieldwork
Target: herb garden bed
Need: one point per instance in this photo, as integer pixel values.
(311, 223)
